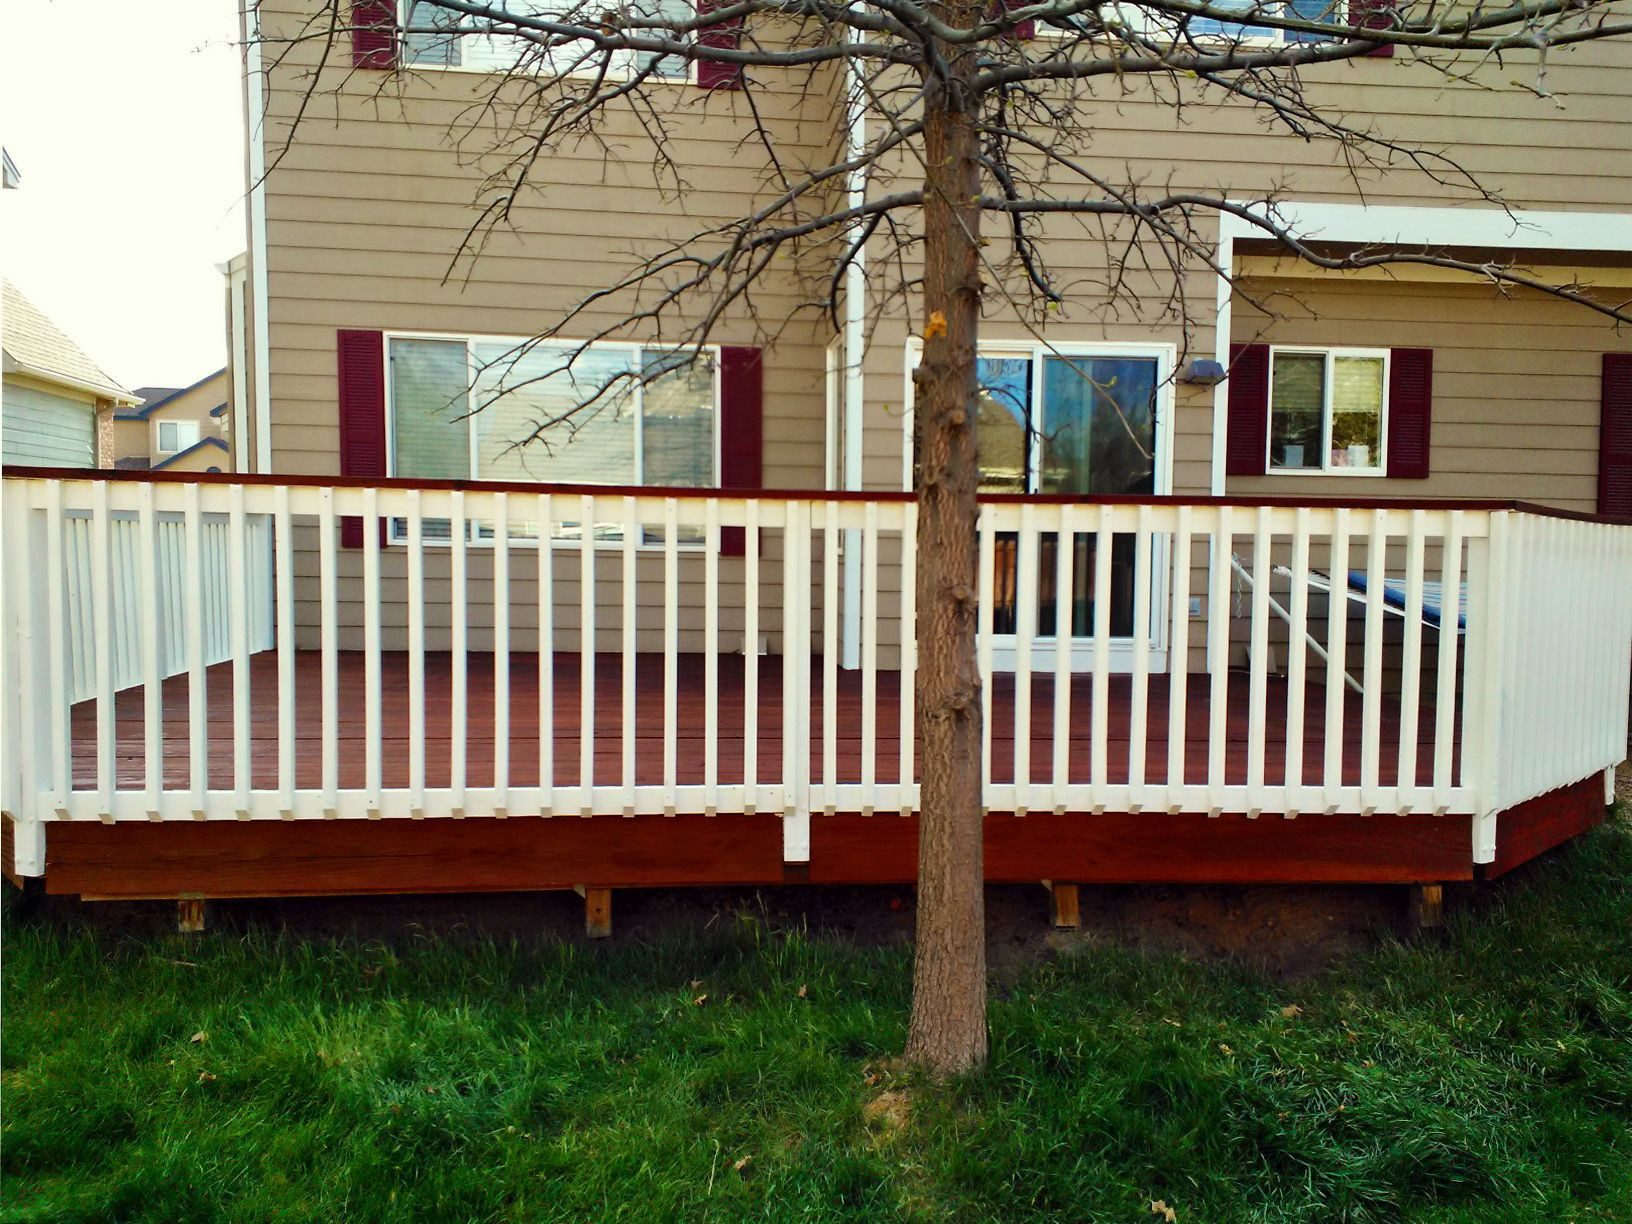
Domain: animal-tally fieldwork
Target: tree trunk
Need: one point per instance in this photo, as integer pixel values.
(947, 1034)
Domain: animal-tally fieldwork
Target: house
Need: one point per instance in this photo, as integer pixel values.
(1361, 611)
(57, 406)
(176, 428)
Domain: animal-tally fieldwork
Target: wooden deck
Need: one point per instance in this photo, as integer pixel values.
(648, 725)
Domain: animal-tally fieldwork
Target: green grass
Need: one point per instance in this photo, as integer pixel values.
(1487, 1077)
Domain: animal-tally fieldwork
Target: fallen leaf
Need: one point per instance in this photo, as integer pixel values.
(1224, 1049)
(804, 992)
(741, 1166)
(430, 1089)
(205, 1077)
(1159, 1207)
(700, 1000)
(1291, 1010)
(696, 983)
(1174, 1023)
(936, 325)
(199, 1037)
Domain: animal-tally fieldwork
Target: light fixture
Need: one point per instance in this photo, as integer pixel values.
(1203, 373)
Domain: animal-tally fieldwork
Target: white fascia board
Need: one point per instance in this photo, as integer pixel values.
(1410, 225)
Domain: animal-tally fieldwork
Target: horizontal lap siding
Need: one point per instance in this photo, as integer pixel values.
(41, 428)
(1516, 384)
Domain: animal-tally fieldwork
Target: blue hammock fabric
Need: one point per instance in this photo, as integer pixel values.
(1432, 597)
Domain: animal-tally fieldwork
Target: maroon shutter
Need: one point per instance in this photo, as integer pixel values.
(1410, 412)
(742, 431)
(362, 417)
(726, 35)
(1372, 15)
(373, 34)
(1615, 439)
(1025, 29)
(1246, 449)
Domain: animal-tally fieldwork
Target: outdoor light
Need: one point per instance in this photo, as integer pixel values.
(1203, 373)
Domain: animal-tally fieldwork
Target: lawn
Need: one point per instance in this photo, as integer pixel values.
(735, 1070)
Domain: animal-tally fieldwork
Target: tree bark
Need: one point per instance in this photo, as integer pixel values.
(947, 1034)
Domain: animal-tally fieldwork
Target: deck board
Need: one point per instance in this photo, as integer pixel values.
(648, 725)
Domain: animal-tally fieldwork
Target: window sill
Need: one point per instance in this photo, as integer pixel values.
(611, 77)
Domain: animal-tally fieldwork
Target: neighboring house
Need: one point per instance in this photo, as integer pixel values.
(177, 428)
(720, 672)
(57, 406)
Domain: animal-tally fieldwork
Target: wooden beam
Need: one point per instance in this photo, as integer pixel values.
(1062, 906)
(1427, 906)
(598, 913)
(190, 913)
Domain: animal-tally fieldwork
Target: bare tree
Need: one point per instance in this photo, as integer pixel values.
(973, 125)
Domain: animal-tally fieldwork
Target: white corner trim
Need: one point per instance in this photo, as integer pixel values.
(1397, 225)
(255, 103)
(855, 347)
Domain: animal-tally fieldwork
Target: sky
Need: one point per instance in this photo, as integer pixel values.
(131, 155)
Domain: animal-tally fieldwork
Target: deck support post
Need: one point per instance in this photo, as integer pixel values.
(190, 914)
(1062, 906)
(1427, 906)
(598, 912)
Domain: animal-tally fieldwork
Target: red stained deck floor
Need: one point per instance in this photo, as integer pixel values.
(648, 721)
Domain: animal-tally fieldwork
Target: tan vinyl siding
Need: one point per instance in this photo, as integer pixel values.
(1516, 384)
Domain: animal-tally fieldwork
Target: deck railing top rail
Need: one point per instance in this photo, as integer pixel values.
(882, 496)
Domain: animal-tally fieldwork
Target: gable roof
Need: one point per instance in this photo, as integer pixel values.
(200, 444)
(154, 398)
(34, 345)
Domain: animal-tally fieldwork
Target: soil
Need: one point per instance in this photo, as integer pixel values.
(1286, 930)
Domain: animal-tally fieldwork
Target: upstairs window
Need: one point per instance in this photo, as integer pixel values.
(1328, 410)
(1244, 30)
(434, 37)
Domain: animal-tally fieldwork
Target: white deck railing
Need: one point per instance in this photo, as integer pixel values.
(1256, 712)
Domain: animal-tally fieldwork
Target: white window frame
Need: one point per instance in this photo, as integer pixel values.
(1141, 20)
(471, 341)
(1082, 649)
(612, 74)
(1331, 353)
(181, 428)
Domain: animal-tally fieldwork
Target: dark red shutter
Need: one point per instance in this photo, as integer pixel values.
(1372, 15)
(1615, 439)
(726, 35)
(742, 430)
(362, 417)
(1246, 444)
(1410, 412)
(374, 34)
(1025, 29)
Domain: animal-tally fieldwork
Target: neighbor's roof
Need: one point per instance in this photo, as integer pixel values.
(196, 446)
(34, 345)
(154, 398)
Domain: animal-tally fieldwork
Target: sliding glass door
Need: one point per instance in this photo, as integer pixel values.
(1068, 423)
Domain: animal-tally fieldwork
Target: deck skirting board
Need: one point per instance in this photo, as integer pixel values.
(316, 858)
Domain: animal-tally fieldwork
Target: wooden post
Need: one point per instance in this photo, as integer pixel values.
(1062, 906)
(1427, 906)
(598, 912)
(190, 914)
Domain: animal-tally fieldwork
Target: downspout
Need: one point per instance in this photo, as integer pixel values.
(256, 125)
(855, 340)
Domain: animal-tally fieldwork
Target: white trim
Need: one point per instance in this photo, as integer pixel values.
(855, 350)
(1331, 353)
(255, 103)
(106, 391)
(237, 276)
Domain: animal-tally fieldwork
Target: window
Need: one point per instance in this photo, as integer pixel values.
(1327, 410)
(437, 38)
(617, 414)
(1308, 10)
(175, 436)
